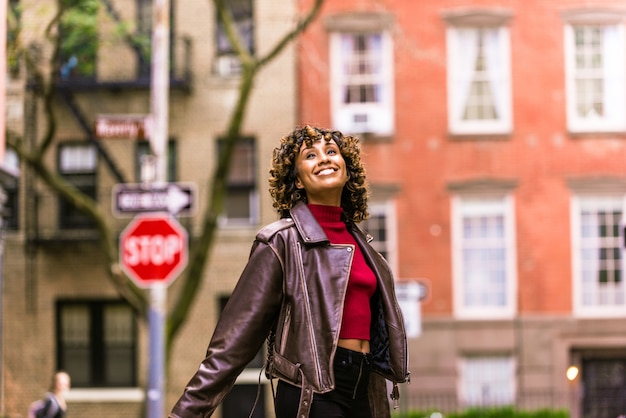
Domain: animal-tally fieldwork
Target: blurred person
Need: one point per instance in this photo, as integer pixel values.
(53, 404)
(316, 290)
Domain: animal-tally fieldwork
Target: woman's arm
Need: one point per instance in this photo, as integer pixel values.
(240, 332)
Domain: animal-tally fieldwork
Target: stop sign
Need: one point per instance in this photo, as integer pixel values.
(153, 249)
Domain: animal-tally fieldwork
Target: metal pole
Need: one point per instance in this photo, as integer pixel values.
(159, 99)
(3, 74)
(156, 319)
(160, 86)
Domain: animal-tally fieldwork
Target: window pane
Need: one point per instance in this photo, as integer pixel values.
(238, 203)
(600, 252)
(487, 381)
(480, 104)
(77, 165)
(376, 226)
(118, 342)
(484, 254)
(362, 67)
(242, 15)
(77, 158)
(241, 188)
(589, 71)
(242, 168)
(76, 349)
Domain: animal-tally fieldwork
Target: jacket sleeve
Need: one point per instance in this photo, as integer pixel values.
(239, 334)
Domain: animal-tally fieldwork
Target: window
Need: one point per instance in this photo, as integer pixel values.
(381, 226)
(77, 164)
(227, 62)
(78, 30)
(597, 245)
(97, 343)
(595, 69)
(479, 80)
(487, 381)
(483, 256)
(241, 206)
(143, 149)
(362, 82)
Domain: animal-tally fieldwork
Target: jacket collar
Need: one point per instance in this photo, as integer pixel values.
(307, 225)
(310, 229)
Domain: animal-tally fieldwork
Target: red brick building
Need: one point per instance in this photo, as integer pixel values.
(494, 134)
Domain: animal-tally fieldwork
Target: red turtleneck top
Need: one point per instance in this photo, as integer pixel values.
(357, 315)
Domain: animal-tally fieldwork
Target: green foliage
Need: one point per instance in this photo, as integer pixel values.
(78, 28)
(14, 29)
(504, 412)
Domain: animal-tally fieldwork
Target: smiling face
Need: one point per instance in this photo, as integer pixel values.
(321, 172)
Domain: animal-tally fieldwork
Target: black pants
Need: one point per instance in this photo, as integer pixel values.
(349, 398)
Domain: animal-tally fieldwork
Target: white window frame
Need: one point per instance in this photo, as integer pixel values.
(390, 246)
(357, 118)
(464, 205)
(594, 202)
(481, 376)
(461, 44)
(78, 158)
(613, 76)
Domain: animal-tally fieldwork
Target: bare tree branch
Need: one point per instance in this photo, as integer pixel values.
(218, 182)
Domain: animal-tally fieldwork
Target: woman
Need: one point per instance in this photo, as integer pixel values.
(53, 405)
(318, 292)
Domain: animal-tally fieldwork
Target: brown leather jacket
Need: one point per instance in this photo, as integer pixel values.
(292, 289)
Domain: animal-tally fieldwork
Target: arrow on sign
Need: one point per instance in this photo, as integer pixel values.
(173, 198)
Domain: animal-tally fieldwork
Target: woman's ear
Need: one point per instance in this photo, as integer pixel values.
(299, 184)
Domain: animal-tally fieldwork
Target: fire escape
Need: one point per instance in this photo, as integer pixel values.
(87, 69)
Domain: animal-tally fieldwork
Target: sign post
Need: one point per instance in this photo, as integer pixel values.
(153, 251)
(159, 113)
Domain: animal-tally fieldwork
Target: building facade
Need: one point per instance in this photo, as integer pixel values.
(494, 135)
(60, 309)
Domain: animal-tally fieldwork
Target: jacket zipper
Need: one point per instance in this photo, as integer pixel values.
(287, 322)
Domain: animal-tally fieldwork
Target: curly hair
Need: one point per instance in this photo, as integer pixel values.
(283, 172)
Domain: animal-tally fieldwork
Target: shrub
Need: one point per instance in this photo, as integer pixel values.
(504, 412)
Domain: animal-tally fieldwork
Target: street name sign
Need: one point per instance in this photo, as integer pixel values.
(136, 198)
(122, 126)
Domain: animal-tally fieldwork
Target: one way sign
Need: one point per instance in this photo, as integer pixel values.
(136, 198)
